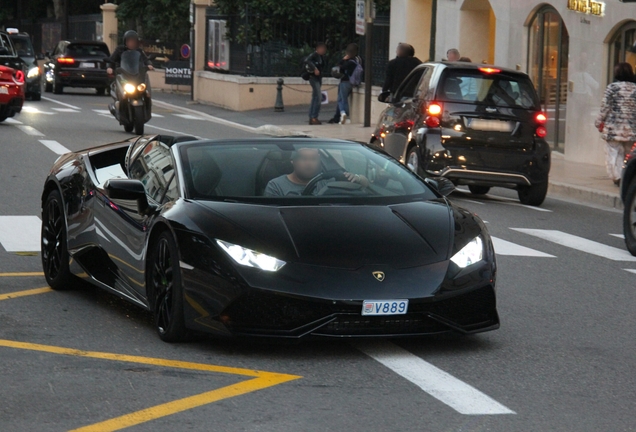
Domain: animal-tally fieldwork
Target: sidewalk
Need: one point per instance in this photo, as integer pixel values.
(568, 180)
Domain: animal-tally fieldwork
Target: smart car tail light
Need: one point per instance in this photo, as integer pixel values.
(433, 112)
(19, 76)
(541, 119)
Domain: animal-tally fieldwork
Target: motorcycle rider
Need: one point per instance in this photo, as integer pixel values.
(131, 42)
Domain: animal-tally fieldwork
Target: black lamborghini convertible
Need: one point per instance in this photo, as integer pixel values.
(222, 237)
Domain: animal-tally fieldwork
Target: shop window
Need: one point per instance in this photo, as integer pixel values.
(218, 50)
(622, 48)
(548, 45)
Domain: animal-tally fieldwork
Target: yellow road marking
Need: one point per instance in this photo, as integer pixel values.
(260, 380)
(21, 274)
(16, 294)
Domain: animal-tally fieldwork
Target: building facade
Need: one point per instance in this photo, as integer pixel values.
(568, 47)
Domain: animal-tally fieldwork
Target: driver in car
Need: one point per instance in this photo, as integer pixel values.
(306, 163)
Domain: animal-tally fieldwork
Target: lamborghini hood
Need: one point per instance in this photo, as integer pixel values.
(338, 236)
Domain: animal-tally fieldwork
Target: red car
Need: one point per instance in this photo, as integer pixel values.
(11, 92)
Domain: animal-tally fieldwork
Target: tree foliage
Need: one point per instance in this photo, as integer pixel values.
(167, 20)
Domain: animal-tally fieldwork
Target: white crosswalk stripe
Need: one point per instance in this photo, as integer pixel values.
(455, 393)
(20, 233)
(12, 121)
(102, 111)
(580, 244)
(620, 236)
(188, 117)
(503, 247)
(55, 147)
(65, 110)
(29, 130)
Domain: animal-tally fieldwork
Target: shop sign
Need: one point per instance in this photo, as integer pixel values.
(588, 7)
(178, 72)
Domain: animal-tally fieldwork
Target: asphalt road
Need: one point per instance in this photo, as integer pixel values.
(563, 359)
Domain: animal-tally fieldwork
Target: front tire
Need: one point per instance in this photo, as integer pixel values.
(100, 91)
(165, 292)
(48, 87)
(36, 96)
(58, 88)
(413, 160)
(478, 190)
(629, 218)
(55, 259)
(139, 120)
(533, 195)
(128, 128)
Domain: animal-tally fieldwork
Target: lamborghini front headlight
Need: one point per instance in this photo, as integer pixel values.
(250, 258)
(470, 254)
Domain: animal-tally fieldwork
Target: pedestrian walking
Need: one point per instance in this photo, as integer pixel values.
(314, 66)
(452, 55)
(617, 119)
(351, 69)
(399, 68)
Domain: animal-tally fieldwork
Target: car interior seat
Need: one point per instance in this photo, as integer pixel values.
(275, 164)
(206, 173)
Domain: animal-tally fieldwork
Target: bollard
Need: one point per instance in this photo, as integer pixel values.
(278, 106)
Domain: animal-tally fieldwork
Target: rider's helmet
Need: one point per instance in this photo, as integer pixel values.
(130, 34)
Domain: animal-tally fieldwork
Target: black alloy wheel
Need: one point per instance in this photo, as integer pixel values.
(629, 218)
(55, 259)
(533, 195)
(165, 293)
(478, 190)
(413, 160)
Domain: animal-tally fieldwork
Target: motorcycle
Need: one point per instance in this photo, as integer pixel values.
(132, 105)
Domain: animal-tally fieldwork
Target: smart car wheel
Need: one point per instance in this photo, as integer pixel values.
(165, 293)
(55, 260)
(48, 87)
(629, 218)
(533, 195)
(478, 190)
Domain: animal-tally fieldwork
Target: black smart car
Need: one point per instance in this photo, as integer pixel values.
(77, 64)
(477, 125)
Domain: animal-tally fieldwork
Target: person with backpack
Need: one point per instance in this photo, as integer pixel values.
(313, 67)
(351, 69)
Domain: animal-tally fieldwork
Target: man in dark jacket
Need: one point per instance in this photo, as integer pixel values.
(131, 42)
(314, 65)
(400, 67)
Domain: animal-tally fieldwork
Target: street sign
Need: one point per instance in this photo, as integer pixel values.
(178, 72)
(185, 51)
(360, 18)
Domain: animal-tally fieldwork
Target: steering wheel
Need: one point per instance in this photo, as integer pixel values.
(338, 174)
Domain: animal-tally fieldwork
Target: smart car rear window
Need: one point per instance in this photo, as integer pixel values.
(503, 90)
(87, 50)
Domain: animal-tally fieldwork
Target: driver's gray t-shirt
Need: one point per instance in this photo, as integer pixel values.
(282, 186)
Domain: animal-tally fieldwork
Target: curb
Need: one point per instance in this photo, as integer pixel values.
(583, 194)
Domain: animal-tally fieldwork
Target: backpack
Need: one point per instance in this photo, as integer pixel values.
(356, 77)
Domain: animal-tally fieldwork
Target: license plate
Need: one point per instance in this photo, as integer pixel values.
(87, 65)
(385, 307)
(491, 125)
(4, 90)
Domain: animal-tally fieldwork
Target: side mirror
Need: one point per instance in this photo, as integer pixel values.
(442, 185)
(384, 97)
(130, 190)
(39, 57)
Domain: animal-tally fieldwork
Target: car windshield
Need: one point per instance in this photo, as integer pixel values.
(23, 46)
(87, 50)
(501, 90)
(296, 172)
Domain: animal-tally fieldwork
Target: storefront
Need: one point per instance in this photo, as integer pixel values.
(568, 47)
